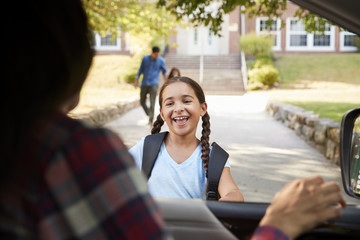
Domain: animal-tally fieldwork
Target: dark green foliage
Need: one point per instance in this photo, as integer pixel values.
(211, 13)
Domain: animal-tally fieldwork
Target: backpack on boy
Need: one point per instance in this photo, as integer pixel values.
(217, 160)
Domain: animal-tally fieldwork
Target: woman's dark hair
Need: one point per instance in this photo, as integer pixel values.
(171, 74)
(47, 58)
(205, 150)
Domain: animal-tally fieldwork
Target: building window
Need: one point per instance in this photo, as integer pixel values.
(320, 40)
(298, 36)
(106, 43)
(297, 39)
(127, 42)
(273, 30)
(347, 41)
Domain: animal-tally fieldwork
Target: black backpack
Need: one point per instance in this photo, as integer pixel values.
(217, 160)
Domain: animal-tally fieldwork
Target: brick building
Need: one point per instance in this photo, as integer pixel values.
(292, 38)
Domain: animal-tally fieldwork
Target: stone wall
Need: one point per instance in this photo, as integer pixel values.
(101, 116)
(322, 134)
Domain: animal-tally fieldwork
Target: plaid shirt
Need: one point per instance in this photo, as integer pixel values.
(269, 233)
(77, 182)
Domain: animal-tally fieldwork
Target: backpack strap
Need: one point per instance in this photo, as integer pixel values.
(152, 144)
(217, 160)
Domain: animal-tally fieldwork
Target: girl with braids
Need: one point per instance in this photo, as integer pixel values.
(180, 170)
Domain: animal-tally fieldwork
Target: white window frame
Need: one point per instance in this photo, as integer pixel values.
(98, 45)
(310, 39)
(210, 37)
(277, 46)
(127, 42)
(342, 41)
(196, 36)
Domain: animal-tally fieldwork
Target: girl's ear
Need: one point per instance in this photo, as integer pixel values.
(203, 109)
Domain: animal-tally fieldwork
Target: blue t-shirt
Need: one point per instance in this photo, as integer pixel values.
(172, 180)
(150, 68)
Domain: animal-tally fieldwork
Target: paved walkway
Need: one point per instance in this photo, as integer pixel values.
(264, 154)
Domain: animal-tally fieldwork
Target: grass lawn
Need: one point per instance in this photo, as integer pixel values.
(332, 110)
(328, 84)
(319, 67)
(104, 84)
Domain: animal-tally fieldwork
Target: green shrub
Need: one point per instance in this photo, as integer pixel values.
(256, 45)
(250, 63)
(268, 75)
(254, 85)
(262, 62)
(130, 77)
(262, 73)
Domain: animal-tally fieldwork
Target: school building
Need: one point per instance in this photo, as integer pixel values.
(292, 38)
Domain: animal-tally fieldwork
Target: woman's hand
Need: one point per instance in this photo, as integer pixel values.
(303, 204)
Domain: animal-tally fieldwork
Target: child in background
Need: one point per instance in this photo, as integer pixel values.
(180, 170)
(174, 72)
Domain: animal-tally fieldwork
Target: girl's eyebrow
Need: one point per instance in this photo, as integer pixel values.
(188, 96)
(169, 98)
(184, 96)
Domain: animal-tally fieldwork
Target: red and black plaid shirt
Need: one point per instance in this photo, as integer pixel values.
(77, 182)
(269, 233)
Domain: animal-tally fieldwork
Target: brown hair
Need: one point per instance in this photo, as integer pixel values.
(205, 150)
(171, 74)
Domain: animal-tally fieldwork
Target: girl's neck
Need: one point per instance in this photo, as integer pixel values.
(181, 148)
(189, 140)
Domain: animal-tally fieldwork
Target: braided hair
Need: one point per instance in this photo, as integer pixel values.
(205, 134)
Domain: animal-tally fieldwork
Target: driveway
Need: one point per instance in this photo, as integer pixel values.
(264, 154)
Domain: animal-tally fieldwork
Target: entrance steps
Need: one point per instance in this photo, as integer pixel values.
(210, 62)
(221, 75)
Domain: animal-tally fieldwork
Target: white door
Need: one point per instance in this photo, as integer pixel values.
(201, 41)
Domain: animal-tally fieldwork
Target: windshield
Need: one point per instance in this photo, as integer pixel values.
(275, 109)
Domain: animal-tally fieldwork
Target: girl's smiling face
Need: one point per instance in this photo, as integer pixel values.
(181, 109)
